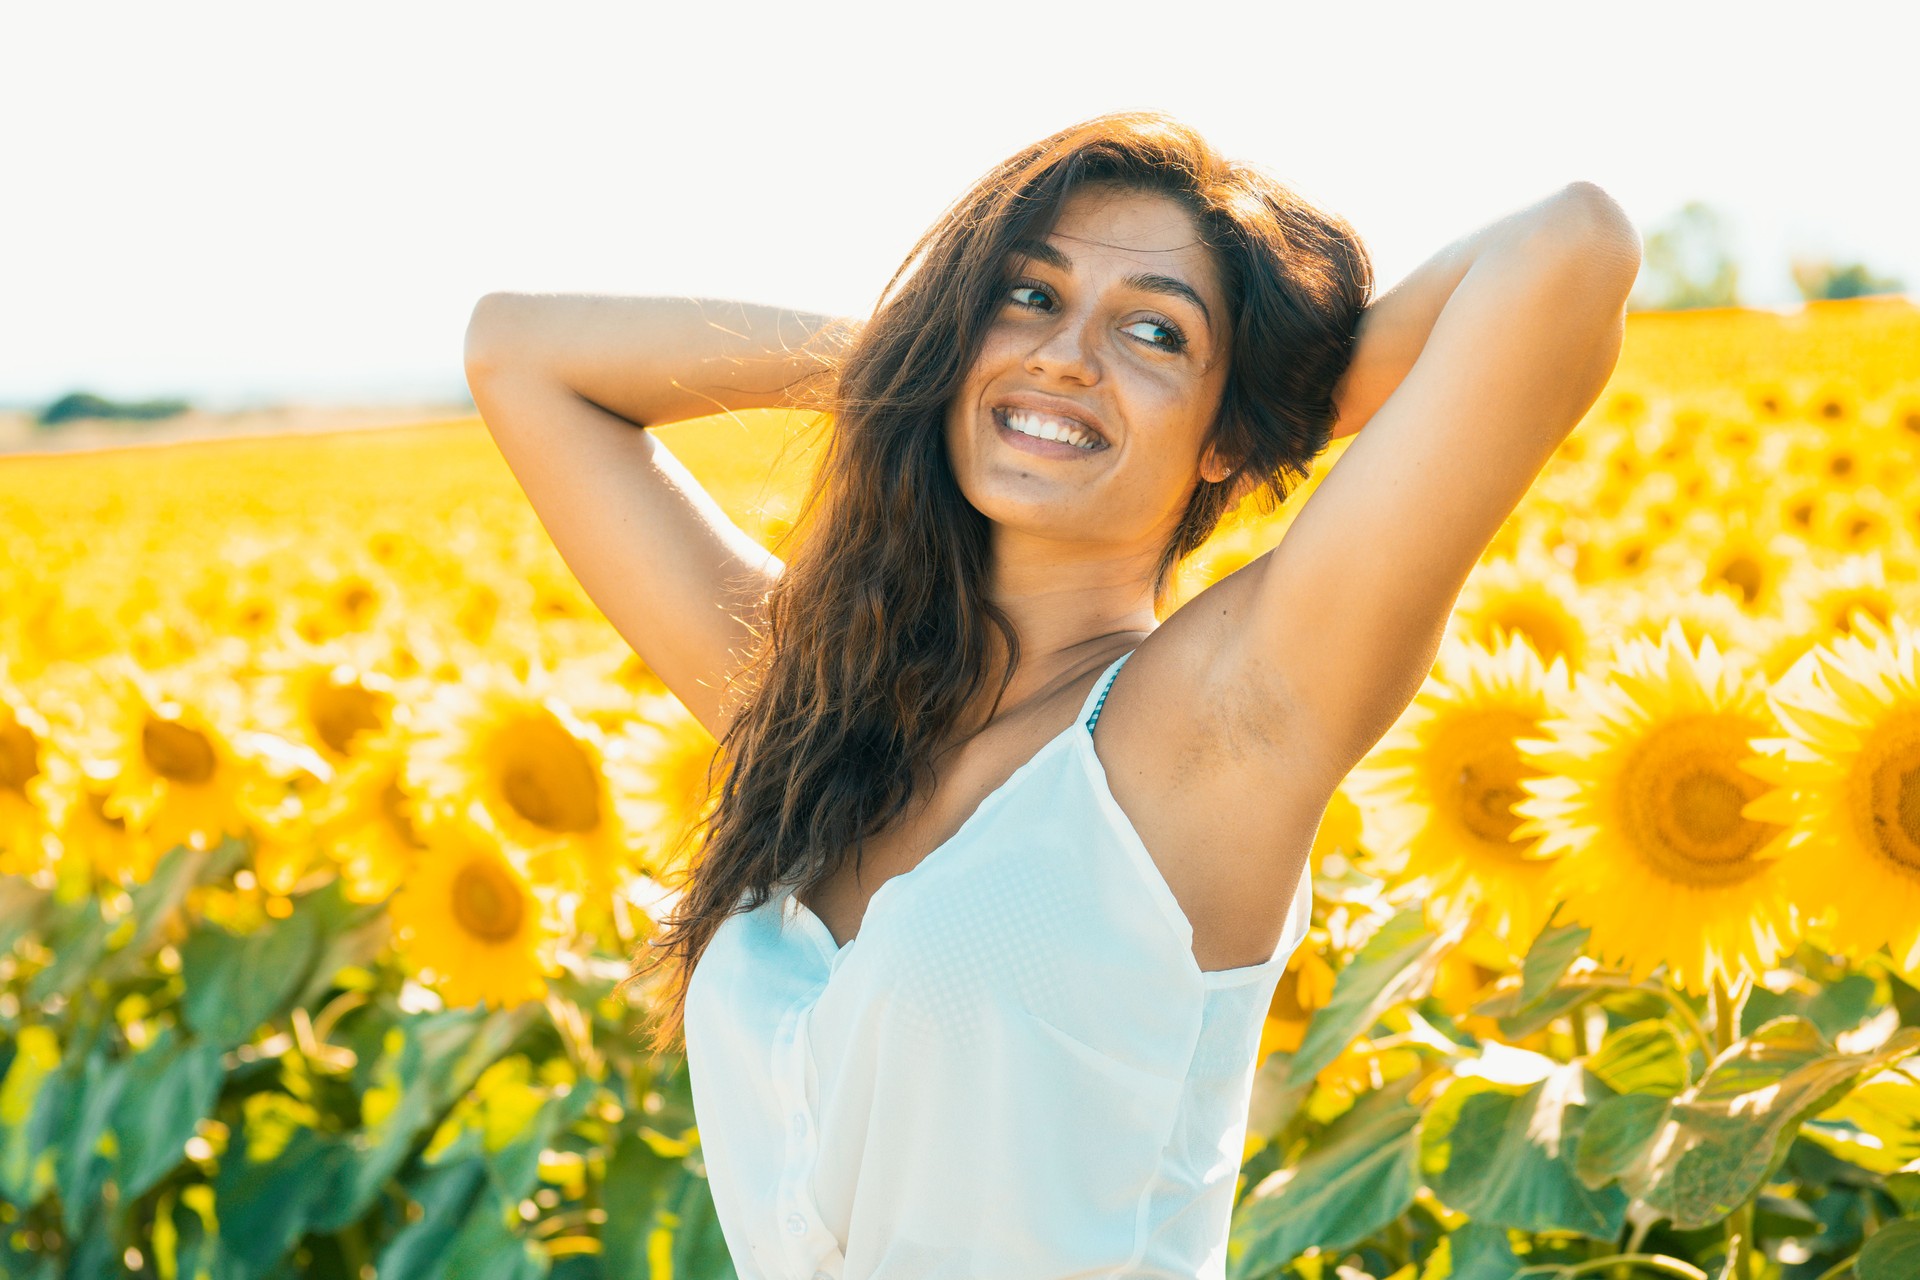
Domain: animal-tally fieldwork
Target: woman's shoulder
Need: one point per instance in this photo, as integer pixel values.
(1216, 785)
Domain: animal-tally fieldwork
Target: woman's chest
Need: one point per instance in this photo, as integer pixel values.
(1228, 852)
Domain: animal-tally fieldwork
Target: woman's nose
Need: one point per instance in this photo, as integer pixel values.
(1065, 349)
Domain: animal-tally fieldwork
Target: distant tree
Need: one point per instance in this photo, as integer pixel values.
(1686, 262)
(1824, 278)
(84, 404)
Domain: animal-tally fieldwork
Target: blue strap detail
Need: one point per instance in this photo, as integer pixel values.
(1107, 688)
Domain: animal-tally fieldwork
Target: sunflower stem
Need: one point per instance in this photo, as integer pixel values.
(1658, 1263)
(1727, 1006)
(1622, 982)
(1741, 1253)
(1727, 1003)
(1692, 1019)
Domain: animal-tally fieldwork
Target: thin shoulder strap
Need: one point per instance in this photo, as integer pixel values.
(1098, 698)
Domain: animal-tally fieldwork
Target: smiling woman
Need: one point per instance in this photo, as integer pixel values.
(1086, 350)
(1037, 1060)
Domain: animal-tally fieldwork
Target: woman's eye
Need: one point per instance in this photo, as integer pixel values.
(1029, 288)
(1174, 340)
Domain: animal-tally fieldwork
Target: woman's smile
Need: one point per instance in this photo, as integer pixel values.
(1040, 447)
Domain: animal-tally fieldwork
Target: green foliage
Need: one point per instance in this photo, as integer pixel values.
(276, 1100)
(84, 404)
(1356, 1177)
(1893, 1253)
(1648, 1139)
(250, 1102)
(1387, 969)
(1687, 261)
(1818, 278)
(1505, 1155)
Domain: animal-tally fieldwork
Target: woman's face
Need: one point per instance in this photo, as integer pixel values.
(1119, 321)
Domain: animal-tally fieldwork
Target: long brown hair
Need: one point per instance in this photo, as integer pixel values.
(877, 637)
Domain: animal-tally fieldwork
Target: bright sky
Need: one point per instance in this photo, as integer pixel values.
(242, 202)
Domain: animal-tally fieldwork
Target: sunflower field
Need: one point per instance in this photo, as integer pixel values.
(331, 811)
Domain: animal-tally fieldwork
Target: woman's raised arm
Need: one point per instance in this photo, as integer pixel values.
(568, 383)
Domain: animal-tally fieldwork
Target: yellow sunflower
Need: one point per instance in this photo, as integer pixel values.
(1867, 519)
(364, 821)
(1738, 551)
(1838, 588)
(1647, 607)
(1526, 595)
(469, 918)
(343, 598)
(1441, 785)
(560, 791)
(1337, 842)
(169, 749)
(91, 842)
(673, 754)
(24, 741)
(246, 598)
(1305, 985)
(1846, 776)
(323, 696)
(1644, 809)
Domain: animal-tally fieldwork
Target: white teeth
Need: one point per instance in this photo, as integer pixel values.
(1045, 428)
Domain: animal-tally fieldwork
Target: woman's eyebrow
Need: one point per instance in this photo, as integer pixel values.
(1145, 281)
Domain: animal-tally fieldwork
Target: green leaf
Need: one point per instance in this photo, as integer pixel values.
(1834, 1007)
(1277, 1095)
(77, 937)
(485, 1248)
(1523, 1007)
(32, 1100)
(1642, 1057)
(1616, 1134)
(1390, 967)
(92, 1089)
(516, 1166)
(637, 1179)
(398, 1104)
(1517, 1021)
(1477, 1251)
(699, 1248)
(170, 1089)
(1877, 1126)
(1357, 1177)
(1505, 1155)
(264, 1208)
(1892, 1252)
(410, 1071)
(443, 1195)
(1778, 1216)
(353, 938)
(159, 897)
(1906, 999)
(18, 1261)
(1553, 952)
(1726, 1134)
(236, 982)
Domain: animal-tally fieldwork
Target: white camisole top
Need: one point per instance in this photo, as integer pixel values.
(1016, 1071)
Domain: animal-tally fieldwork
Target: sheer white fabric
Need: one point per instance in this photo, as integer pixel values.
(1016, 1071)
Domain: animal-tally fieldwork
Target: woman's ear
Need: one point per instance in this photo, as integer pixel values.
(1214, 469)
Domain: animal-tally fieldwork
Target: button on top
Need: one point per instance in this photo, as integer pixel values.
(799, 1124)
(821, 1275)
(796, 1224)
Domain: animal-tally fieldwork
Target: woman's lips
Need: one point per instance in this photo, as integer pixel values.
(1035, 445)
